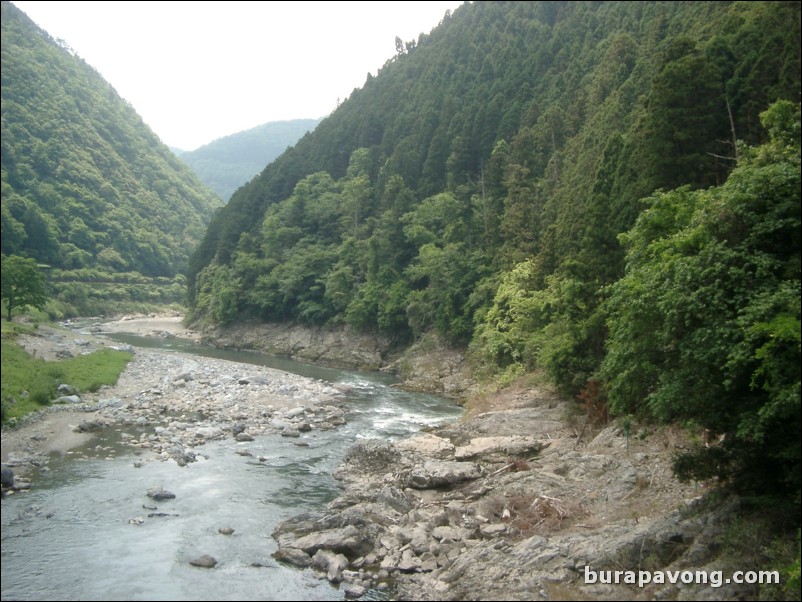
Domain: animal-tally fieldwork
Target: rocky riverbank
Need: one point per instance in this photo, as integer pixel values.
(428, 365)
(516, 501)
(513, 504)
(167, 404)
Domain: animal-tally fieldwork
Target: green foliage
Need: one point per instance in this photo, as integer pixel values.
(229, 162)
(487, 186)
(23, 284)
(29, 383)
(793, 581)
(705, 324)
(85, 183)
(512, 133)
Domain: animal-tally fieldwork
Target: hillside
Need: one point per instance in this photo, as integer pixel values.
(87, 187)
(605, 193)
(229, 162)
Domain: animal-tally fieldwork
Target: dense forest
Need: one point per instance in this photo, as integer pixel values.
(229, 162)
(87, 188)
(606, 192)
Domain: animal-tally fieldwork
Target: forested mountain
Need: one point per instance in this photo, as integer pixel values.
(229, 162)
(87, 187)
(481, 184)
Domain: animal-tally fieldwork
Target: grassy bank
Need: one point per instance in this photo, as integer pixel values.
(29, 383)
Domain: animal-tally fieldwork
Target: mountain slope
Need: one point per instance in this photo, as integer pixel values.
(86, 185)
(511, 131)
(229, 162)
(499, 183)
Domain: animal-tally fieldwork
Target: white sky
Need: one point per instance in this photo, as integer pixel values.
(197, 71)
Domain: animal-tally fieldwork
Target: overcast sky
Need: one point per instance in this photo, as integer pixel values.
(197, 71)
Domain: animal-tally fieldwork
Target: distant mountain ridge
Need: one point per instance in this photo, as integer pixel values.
(87, 187)
(227, 163)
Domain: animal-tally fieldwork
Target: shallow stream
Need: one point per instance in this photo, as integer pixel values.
(87, 531)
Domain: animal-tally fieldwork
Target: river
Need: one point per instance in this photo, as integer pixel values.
(86, 530)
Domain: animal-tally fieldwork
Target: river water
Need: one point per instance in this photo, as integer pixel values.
(71, 537)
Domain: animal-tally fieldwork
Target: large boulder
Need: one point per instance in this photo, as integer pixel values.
(347, 540)
(436, 473)
(511, 445)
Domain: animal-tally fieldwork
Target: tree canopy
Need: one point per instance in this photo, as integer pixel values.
(23, 284)
(227, 163)
(486, 183)
(705, 323)
(86, 185)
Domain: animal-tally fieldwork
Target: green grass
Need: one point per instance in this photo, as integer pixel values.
(29, 384)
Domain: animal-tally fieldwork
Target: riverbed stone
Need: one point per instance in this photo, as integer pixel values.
(353, 591)
(90, 426)
(205, 562)
(209, 432)
(347, 539)
(65, 389)
(69, 399)
(7, 477)
(159, 494)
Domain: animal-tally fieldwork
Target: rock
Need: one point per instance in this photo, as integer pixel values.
(353, 591)
(90, 426)
(65, 389)
(336, 567)
(323, 558)
(428, 445)
(293, 556)
(348, 540)
(160, 493)
(409, 562)
(69, 399)
(447, 532)
(209, 432)
(493, 530)
(7, 477)
(513, 445)
(395, 499)
(244, 437)
(435, 473)
(295, 412)
(126, 348)
(205, 562)
(253, 380)
(225, 530)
